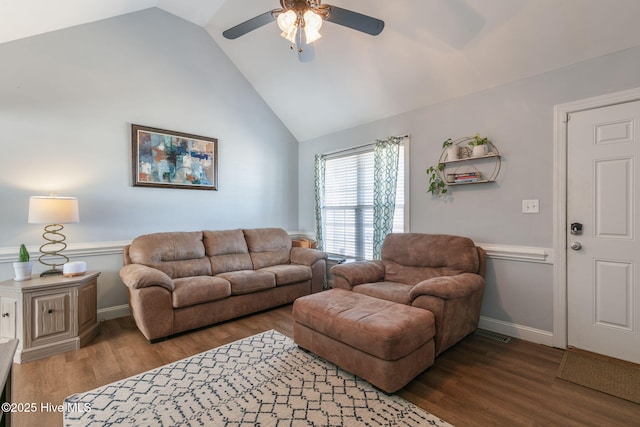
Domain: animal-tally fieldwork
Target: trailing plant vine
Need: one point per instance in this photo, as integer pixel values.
(437, 186)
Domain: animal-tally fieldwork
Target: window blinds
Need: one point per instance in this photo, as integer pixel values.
(348, 208)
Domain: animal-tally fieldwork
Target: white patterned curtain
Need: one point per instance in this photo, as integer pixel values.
(386, 155)
(319, 167)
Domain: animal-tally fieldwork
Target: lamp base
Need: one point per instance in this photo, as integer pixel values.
(52, 272)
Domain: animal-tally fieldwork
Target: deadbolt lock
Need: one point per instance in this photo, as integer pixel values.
(576, 228)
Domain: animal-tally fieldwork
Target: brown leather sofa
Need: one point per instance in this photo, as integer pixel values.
(440, 273)
(179, 281)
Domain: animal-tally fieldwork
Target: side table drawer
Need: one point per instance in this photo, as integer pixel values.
(51, 317)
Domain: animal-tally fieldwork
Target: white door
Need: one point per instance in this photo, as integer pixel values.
(603, 258)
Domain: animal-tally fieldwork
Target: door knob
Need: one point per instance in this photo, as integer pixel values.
(576, 246)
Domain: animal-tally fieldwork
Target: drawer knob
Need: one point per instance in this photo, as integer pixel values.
(50, 311)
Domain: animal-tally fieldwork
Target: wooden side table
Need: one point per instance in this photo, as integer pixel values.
(49, 315)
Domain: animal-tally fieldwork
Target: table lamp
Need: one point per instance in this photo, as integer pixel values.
(53, 211)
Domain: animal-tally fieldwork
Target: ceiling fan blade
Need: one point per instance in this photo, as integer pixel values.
(250, 25)
(355, 20)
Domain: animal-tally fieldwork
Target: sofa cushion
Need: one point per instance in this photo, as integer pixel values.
(227, 251)
(268, 246)
(413, 257)
(390, 291)
(177, 254)
(248, 281)
(195, 290)
(287, 274)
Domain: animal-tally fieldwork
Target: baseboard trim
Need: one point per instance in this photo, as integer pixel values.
(113, 312)
(514, 330)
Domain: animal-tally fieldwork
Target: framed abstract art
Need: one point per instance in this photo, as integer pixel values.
(168, 159)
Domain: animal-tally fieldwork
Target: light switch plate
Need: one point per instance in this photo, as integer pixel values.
(531, 206)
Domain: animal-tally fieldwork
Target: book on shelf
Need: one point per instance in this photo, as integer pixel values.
(467, 177)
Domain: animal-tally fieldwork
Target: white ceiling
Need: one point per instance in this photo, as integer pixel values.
(429, 51)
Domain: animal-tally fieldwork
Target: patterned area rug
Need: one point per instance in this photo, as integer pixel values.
(263, 380)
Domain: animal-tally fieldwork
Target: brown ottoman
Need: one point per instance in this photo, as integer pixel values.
(386, 343)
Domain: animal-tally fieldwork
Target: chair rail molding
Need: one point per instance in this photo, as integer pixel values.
(518, 253)
(9, 254)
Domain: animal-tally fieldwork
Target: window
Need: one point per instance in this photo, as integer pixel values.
(348, 203)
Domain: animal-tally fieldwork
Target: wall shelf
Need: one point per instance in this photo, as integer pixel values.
(490, 155)
(468, 169)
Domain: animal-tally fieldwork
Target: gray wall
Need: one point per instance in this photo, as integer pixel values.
(67, 99)
(518, 118)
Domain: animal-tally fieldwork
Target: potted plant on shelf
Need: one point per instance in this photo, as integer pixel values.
(23, 267)
(479, 146)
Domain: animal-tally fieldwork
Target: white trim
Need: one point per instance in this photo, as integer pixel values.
(494, 251)
(526, 333)
(560, 114)
(8, 254)
(113, 312)
(518, 253)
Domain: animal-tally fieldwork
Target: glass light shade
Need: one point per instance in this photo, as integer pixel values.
(53, 210)
(288, 24)
(291, 34)
(312, 25)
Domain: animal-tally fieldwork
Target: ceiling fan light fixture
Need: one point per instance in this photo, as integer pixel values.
(287, 22)
(312, 25)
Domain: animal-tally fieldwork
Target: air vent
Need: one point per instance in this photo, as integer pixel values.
(493, 335)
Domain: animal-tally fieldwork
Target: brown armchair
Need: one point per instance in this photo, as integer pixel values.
(440, 273)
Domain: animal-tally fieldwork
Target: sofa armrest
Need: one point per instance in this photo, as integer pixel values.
(137, 276)
(448, 287)
(306, 256)
(347, 276)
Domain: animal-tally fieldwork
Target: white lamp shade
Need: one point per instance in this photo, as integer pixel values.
(53, 210)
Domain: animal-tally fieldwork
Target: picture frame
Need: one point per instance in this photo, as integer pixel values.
(168, 159)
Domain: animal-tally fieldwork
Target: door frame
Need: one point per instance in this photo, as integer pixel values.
(560, 144)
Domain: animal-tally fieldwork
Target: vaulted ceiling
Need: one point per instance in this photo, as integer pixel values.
(429, 51)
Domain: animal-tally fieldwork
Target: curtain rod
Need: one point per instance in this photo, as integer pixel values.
(344, 150)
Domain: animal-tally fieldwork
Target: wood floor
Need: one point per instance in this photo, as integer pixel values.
(478, 382)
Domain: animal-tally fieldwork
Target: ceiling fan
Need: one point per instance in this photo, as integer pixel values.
(300, 22)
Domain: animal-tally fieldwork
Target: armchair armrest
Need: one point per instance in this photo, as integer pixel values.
(448, 287)
(137, 276)
(306, 256)
(347, 276)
